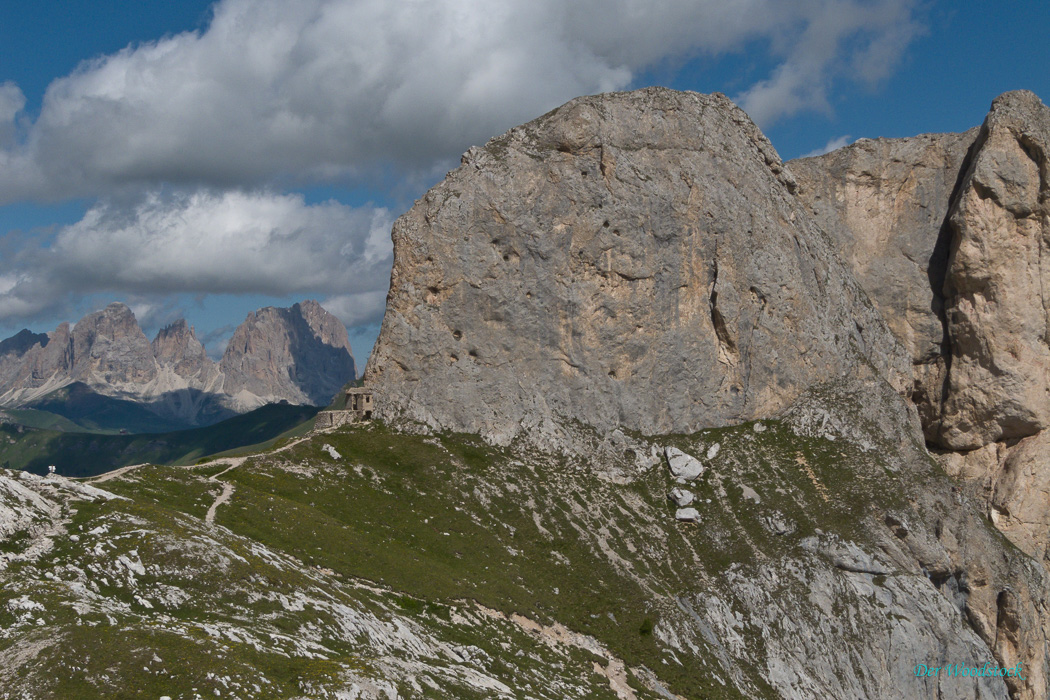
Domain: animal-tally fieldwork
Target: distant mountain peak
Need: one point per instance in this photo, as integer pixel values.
(299, 354)
(21, 342)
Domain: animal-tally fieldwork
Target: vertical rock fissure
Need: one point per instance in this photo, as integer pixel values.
(1036, 153)
(937, 271)
(727, 346)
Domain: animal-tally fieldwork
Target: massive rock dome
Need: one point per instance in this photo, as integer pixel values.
(634, 260)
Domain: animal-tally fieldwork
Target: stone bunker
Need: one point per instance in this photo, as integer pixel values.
(359, 403)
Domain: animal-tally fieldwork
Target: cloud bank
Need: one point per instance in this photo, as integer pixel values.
(186, 143)
(305, 91)
(205, 243)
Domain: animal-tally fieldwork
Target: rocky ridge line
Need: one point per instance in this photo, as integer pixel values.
(299, 354)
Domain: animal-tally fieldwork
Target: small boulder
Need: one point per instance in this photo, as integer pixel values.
(750, 494)
(778, 524)
(681, 497)
(683, 466)
(687, 515)
(712, 451)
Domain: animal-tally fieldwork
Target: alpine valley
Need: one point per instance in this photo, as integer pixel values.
(80, 397)
(657, 416)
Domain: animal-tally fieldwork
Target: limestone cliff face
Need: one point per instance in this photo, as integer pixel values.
(45, 365)
(300, 355)
(948, 234)
(885, 203)
(631, 259)
(645, 261)
(997, 296)
(176, 346)
(13, 350)
(108, 347)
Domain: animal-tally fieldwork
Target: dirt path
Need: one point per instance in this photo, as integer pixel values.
(113, 474)
(227, 491)
(227, 488)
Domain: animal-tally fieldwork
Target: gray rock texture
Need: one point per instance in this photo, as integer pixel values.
(631, 259)
(644, 261)
(885, 203)
(300, 355)
(176, 346)
(947, 234)
(996, 292)
(682, 465)
(108, 347)
(681, 497)
(687, 515)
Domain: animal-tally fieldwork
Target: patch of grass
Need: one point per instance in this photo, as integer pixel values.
(276, 442)
(404, 511)
(446, 518)
(175, 488)
(33, 418)
(130, 657)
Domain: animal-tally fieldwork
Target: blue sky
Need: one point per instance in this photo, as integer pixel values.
(203, 159)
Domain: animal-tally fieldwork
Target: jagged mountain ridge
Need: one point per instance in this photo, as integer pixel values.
(948, 233)
(299, 354)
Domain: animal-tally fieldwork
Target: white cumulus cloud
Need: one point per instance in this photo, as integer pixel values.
(832, 145)
(202, 243)
(276, 92)
(185, 144)
(836, 39)
(12, 101)
(361, 309)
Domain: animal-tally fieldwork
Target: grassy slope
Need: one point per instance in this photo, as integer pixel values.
(33, 418)
(446, 519)
(295, 431)
(94, 412)
(440, 521)
(211, 612)
(85, 454)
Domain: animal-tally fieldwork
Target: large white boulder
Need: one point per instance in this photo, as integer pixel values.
(683, 466)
